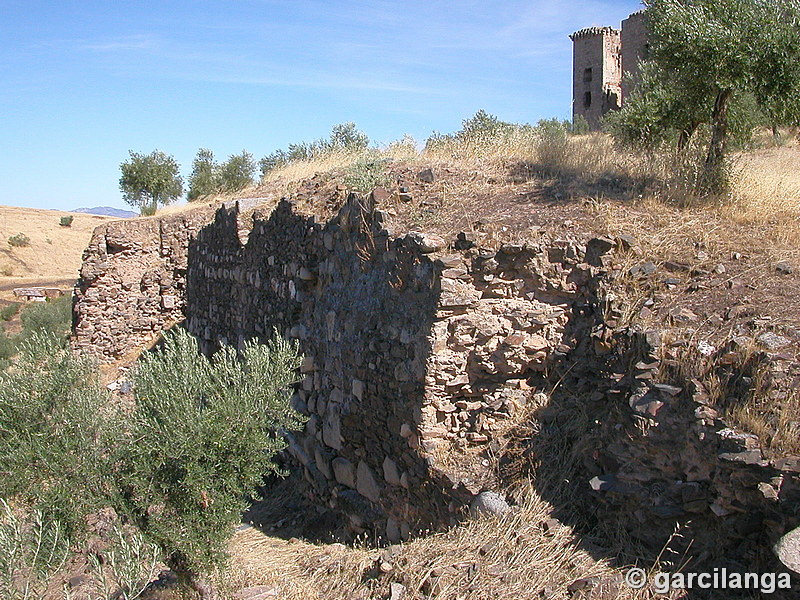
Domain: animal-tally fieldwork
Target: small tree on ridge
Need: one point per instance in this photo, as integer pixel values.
(150, 180)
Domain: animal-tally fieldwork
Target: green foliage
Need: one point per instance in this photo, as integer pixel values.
(66, 221)
(56, 430)
(552, 143)
(9, 311)
(19, 240)
(237, 172)
(8, 347)
(716, 62)
(366, 173)
(481, 128)
(204, 179)
(31, 550)
(206, 431)
(53, 317)
(345, 137)
(202, 435)
(579, 125)
(208, 177)
(130, 561)
(150, 180)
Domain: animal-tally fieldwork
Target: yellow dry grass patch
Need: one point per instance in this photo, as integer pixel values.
(489, 558)
(54, 254)
(767, 192)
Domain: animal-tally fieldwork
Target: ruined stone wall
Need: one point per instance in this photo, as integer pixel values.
(410, 349)
(132, 282)
(423, 355)
(661, 462)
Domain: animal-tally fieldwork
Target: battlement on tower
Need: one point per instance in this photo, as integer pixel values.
(602, 56)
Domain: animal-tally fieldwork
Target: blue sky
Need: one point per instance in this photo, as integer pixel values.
(83, 82)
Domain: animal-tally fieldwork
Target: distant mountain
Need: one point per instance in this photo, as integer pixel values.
(107, 211)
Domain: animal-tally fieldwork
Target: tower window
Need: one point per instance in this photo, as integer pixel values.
(587, 99)
(587, 74)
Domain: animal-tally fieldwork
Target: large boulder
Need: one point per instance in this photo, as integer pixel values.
(788, 550)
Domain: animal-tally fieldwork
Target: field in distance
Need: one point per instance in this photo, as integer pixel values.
(42, 252)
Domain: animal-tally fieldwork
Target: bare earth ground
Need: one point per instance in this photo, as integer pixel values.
(54, 254)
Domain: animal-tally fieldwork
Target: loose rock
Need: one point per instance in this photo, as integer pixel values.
(488, 504)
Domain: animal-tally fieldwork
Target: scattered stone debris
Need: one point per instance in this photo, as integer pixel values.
(773, 341)
(426, 242)
(261, 592)
(643, 270)
(397, 591)
(426, 176)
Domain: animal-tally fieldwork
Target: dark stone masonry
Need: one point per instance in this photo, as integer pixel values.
(423, 354)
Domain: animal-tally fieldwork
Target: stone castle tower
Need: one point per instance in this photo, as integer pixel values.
(605, 62)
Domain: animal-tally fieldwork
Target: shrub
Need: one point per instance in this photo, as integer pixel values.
(7, 312)
(56, 429)
(552, 145)
(206, 431)
(579, 126)
(7, 348)
(365, 174)
(53, 316)
(345, 137)
(19, 240)
(181, 465)
(31, 550)
(6, 270)
(128, 564)
(66, 221)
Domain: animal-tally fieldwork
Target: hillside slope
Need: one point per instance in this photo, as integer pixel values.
(53, 255)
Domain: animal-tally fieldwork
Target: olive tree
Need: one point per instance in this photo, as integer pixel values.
(705, 57)
(150, 180)
(237, 172)
(206, 431)
(204, 179)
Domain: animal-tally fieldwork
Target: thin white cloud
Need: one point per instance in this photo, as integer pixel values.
(318, 81)
(125, 43)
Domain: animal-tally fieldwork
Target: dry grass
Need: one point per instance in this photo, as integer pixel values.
(281, 178)
(510, 558)
(767, 192)
(777, 423)
(54, 254)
